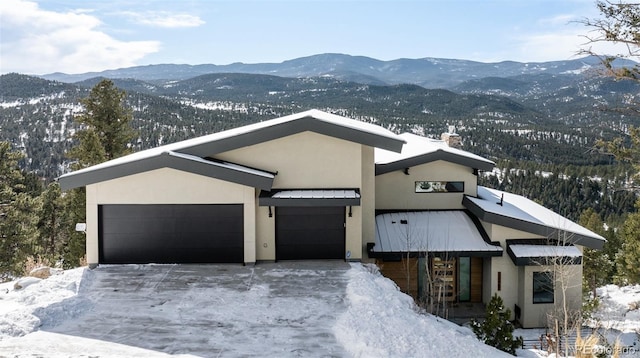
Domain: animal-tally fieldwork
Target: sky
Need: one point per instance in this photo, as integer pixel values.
(78, 36)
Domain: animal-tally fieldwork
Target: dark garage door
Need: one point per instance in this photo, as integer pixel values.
(170, 233)
(307, 233)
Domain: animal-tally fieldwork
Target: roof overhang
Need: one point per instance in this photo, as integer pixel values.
(310, 197)
(226, 171)
(485, 165)
(542, 253)
(281, 129)
(495, 210)
(192, 151)
(430, 233)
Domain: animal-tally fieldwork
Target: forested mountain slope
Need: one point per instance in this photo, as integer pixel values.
(544, 122)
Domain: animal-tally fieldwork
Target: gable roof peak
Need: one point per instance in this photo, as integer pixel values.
(420, 150)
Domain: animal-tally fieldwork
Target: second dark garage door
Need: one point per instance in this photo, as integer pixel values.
(171, 233)
(308, 233)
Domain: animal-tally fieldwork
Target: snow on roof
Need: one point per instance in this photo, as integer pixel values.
(417, 145)
(317, 194)
(232, 166)
(521, 251)
(194, 142)
(430, 231)
(522, 210)
(216, 169)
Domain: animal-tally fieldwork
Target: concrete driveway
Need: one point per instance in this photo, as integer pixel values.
(273, 309)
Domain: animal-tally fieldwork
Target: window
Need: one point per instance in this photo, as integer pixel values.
(542, 287)
(439, 187)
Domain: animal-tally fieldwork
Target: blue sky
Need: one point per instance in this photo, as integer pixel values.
(76, 36)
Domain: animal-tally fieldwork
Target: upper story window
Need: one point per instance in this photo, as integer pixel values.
(439, 187)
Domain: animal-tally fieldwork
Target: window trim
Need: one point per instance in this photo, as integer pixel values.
(551, 281)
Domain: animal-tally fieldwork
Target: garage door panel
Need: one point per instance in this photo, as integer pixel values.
(171, 233)
(310, 233)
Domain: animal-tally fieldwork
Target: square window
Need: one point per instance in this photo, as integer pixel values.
(542, 287)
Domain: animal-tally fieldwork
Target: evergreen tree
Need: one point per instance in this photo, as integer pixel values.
(629, 256)
(618, 24)
(105, 126)
(73, 248)
(105, 134)
(496, 330)
(597, 264)
(17, 218)
(52, 223)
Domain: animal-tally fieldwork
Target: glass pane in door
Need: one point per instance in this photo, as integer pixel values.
(464, 279)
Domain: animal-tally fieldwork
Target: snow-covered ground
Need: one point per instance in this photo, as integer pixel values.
(129, 311)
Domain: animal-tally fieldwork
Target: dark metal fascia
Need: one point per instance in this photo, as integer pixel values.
(398, 255)
(165, 160)
(439, 154)
(285, 129)
(534, 228)
(540, 260)
(219, 171)
(482, 231)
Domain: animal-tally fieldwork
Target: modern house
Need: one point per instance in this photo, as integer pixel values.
(315, 186)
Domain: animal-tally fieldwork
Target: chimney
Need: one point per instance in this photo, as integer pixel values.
(451, 138)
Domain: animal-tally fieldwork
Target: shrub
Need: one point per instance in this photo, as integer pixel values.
(496, 330)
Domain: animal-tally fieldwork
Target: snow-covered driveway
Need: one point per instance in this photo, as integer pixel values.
(207, 310)
(286, 309)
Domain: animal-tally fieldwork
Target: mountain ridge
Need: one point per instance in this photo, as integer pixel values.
(428, 72)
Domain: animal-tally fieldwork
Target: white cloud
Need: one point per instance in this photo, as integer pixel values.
(37, 41)
(553, 46)
(165, 19)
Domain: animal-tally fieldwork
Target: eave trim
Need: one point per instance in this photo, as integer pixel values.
(432, 157)
(232, 173)
(530, 227)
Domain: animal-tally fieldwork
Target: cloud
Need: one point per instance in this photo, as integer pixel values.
(557, 45)
(37, 41)
(165, 19)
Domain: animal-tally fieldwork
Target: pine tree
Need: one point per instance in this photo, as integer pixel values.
(597, 264)
(73, 249)
(105, 134)
(105, 126)
(629, 256)
(52, 223)
(496, 330)
(17, 215)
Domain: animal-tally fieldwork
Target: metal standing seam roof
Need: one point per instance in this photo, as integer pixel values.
(310, 197)
(528, 254)
(209, 145)
(447, 231)
(517, 212)
(544, 251)
(419, 150)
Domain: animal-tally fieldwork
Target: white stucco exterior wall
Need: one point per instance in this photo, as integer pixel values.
(517, 281)
(310, 160)
(396, 190)
(567, 292)
(368, 201)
